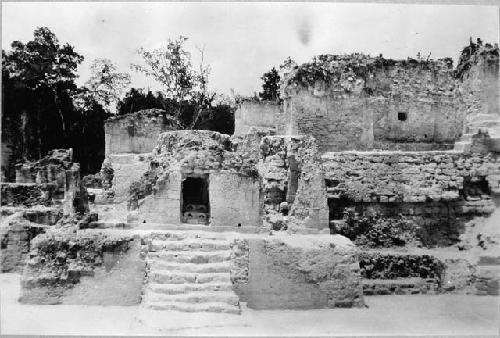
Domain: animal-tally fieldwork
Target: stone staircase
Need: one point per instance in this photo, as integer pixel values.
(189, 272)
(481, 122)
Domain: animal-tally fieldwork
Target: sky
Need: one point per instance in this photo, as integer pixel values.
(243, 40)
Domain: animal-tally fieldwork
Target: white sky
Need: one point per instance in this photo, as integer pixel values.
(243, 40)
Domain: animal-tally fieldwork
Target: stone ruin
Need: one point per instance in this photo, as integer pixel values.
(372, 176)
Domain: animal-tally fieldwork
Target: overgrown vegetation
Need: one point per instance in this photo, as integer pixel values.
(38, 103)
(374, 231)
(489, 52)
(44, 109)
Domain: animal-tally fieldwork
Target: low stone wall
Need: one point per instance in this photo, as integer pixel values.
(16, 232)
(297, 272)
(58, 260)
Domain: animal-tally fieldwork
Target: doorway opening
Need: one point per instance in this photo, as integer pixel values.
(195, 206)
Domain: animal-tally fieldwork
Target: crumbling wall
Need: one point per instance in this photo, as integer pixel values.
(255, 114)
(437, 191)
(478, 88)
(300, 272)
(52, 180)
(291, 174)
(137, 132)
(16, 232)
(127, 168)
(407, 176)
(58, 260)
(350, 102)
(229, 162)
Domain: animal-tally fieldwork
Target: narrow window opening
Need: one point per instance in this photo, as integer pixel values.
(402, 116)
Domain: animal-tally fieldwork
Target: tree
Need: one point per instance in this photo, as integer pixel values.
(271, 85)
(171, 66)
(44, 71)
(42, 107)
(106, 84)
(136, 100)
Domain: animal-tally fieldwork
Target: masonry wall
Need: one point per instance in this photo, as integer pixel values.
(407, 176)
(358, 110)
(337, 122)
(127, 168)
(137, 132)
(438, 191)
(165, 205)
(478, 87)
(234, 200)
(299, 272)
(255, 114)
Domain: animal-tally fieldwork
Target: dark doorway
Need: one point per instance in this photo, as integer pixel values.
(195, 208)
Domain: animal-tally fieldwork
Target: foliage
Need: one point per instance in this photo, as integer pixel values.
(171, 66)
(271, 85)
(105, 83)
(136, 100)
(374, 231)
(38, 109)
(217, 115)
(489, 52)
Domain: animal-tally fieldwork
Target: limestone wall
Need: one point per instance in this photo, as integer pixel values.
(291, 172)
(230, 164)
(57, 262)
(348, 102)
(127, 168)
(137, 132)
(300, 272)
(164, 206)
(235, 200)
(478, 87)
(407, 176)
(255, 114)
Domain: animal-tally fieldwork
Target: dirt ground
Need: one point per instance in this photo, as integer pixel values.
(385, 315)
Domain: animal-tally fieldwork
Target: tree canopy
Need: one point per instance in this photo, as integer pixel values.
(106, 84)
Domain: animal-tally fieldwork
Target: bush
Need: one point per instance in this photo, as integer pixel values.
(373, 231)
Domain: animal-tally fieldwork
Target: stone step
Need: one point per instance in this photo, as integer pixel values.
(173, 289)
(402, 286)
(185, 235)
(169, 277)
(196, 297)
(198, 257)
(189, 267)
(218, 307)
(200, 244)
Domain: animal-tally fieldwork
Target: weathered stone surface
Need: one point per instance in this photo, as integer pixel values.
(255, 114)
(16, 232)
(407, 176)
(301, 271)
(137, 132)
(353, 101)
(58, 259)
